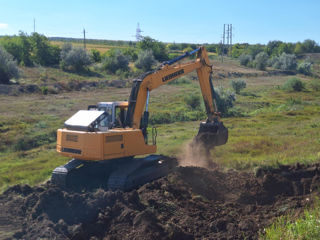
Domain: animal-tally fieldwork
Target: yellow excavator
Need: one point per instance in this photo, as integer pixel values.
(104, 139)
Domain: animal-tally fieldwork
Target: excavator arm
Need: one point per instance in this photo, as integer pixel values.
(168, 72)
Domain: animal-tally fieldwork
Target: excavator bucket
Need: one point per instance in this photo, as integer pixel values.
(212, 134)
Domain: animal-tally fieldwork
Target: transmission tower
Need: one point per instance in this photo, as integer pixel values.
(138, 35)
(226, 39)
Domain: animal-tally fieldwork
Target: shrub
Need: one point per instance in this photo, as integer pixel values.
(145, 60)
(305, 67)
(95, 55)
(273, 62)
(261, 60)
(8, 67)
(238, 85)
(131, 53)
(294, 84)
(225, 100)
(193, 101)
(76, 58)
(245, 59)
(117, 61)
(287, 61)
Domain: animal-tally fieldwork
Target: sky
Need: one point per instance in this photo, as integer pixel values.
(253, 21)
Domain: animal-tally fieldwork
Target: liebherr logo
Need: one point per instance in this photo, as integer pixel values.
(172, 75)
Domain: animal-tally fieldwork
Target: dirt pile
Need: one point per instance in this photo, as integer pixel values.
(190, 203)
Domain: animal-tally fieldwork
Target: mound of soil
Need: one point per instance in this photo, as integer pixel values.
(190, 203)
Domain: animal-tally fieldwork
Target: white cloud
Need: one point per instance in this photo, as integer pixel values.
(3, 25)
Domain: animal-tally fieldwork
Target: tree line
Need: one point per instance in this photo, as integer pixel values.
(36, 49)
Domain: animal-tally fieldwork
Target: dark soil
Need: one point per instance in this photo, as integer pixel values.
(190, 203)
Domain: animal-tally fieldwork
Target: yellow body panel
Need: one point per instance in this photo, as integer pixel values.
(97, 146)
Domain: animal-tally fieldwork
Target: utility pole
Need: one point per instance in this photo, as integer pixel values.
(231, 39)
(84, 38)
(34, 25)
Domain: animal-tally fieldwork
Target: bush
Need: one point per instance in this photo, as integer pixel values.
(238, 85)
(75, 58)
(305, 67)
(245, 59)
(273, 62)
(132, 53)
(193, 101)
(294, 85)
(145, 60)
(225, 100)
(287, 62)
(8, 67)
(117, 61)
(260, 60)
(95, 55)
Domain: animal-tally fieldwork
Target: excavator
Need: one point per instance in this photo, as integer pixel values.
(104, 139)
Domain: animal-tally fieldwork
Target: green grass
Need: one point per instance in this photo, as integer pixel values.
(306, 227)
(276, 127)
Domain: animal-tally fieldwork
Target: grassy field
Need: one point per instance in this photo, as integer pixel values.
(275, 126)
(272, 126)
(102, 48)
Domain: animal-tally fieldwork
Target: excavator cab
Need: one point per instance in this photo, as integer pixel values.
(100, 117)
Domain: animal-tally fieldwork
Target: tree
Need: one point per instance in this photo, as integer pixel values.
(253, 50)
(308, 46)
(117, 61)
(158, 48)
(272, 47)
(145, 60)
(8, 67)
(261, 61)
(305, 67)
(75, 58)
(298, 49)
(19, 47)
(42, 52)
(245, 59)
(287, 62)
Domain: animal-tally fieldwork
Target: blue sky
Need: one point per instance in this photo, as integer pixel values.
(254, 21)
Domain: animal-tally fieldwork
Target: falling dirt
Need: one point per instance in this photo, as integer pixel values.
(190, 203)
(194, 154)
